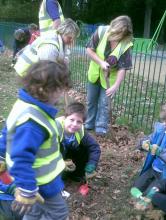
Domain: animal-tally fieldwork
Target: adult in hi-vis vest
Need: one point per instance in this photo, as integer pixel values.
(30, 145)
(109, 50)
(51, 47)
(50, 16)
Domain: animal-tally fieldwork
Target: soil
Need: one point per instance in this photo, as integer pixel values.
(109, 192)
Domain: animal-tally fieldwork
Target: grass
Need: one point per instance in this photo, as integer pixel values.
(8, 88)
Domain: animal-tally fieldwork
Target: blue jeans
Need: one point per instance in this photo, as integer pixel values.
(97, 107)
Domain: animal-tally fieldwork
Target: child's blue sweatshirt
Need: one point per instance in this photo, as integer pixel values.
(26, 142)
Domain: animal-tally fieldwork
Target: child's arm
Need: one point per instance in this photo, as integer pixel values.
(3, 150)
(26, 142)
(3, 142)
(158, 130)
(162, 155)
(93, 149)
(94, 152)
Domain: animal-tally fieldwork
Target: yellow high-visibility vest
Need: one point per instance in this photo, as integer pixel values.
(45, 22)
(60, 125)
(49, 162)
(30, 56)
(95, 72)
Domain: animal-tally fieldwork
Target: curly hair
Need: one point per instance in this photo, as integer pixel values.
(45, 77)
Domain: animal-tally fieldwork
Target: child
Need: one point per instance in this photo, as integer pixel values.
(76, 144)
(30, 140)
(154, 169)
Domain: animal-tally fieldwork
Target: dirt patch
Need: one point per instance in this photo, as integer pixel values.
(109, 196)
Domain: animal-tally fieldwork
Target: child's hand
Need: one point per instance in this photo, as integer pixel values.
(90, 175)
(23, 203)
(143, 204)
(90, 171)
(155, 149)
(146, 145)
(70, 166)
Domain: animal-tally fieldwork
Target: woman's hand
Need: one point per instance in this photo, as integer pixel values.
(111, 91)
(104, 65)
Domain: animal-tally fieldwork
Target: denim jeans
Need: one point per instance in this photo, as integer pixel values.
(97, 107)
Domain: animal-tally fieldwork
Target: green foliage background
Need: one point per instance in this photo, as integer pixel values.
(19, 11)
(90, 11)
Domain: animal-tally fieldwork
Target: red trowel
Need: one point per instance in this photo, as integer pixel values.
(84, 189)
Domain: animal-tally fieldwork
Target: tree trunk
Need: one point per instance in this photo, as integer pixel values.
(147, 21)
(68, 8)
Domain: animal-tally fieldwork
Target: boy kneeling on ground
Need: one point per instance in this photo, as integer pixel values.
(77, 144)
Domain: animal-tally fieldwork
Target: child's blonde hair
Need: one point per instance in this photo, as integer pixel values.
(120, 29)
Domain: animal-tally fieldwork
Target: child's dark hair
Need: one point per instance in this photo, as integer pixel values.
(45, 77)
(76, 107)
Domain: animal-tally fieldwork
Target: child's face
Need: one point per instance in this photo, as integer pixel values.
(73, 123)
(163, 113)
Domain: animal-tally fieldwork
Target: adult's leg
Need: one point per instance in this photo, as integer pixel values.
(102, 118)
(92, 104)
(54, 208)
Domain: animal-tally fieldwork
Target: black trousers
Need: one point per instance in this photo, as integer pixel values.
(147, 180)
(159, 200)
(6, 212)
(79, 157)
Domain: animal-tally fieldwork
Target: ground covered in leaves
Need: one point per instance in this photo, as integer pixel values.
(109, 195)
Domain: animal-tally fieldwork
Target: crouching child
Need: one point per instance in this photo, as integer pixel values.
(150, 186)
(77, 144)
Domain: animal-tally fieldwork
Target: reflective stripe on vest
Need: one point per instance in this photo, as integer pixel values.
(45, 22)
(30, 53)
(60, 125)
(95, 72)
(48, 162)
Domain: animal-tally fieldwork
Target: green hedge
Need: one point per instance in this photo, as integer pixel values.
(24, 13)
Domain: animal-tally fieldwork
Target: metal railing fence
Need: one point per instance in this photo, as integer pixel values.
(137, 102)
